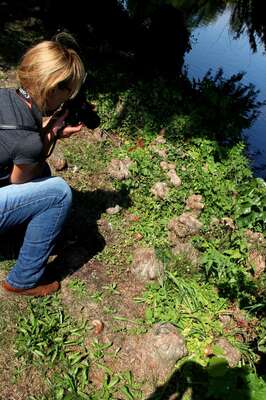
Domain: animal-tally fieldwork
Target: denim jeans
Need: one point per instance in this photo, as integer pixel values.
(43, 204)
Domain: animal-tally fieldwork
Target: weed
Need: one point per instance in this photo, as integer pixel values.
(47, 337)
(111, 289)
(97, 296)
(78, 287)
(194, 308)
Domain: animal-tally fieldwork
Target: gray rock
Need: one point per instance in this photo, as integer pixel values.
(160, 190)
(230, 353)
(145, 265)
(119, 169)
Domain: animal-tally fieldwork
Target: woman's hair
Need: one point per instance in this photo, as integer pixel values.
(46, 65)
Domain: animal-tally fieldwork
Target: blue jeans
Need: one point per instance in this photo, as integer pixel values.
(43, 204)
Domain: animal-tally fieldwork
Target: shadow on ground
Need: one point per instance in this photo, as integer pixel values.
(194, 382)
(80, 240)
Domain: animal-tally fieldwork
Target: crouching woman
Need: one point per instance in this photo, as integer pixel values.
(49, 74)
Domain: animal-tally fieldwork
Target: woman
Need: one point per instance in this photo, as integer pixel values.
(49, 74)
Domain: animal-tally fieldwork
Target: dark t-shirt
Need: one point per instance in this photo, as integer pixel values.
(18, 146)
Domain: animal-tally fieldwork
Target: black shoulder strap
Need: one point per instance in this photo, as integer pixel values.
(18, 127)
(33, 107)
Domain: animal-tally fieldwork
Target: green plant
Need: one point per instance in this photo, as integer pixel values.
(48, 338)
(224, 263)
(78, 287)
(250, 211)
(192, 307)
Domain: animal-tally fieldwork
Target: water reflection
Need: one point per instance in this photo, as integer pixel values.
(246, 16)
(249, 17)
(220, 49)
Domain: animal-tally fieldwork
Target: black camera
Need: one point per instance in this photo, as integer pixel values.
(81, 111)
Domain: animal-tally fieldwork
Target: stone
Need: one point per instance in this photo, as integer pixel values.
(257, 261)
(167, 166)
(194, 203)
(174, 179)
(184, 225)
(167, 345)
(160, 190)
(161, 152)
(254, 237)
(145, 265)
(186, 249)
(57, 159)
(228, 223)
(119, 169)
(113, 210)
(230, 353)
(155, 353)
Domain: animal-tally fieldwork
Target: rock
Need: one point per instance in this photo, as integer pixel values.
(228, 223)
(160, 139)
(174, 179)
(230, 353)
(164, 165)
(131, 217)
(167, 166)
(119, 169)
(145, 264)
(257, 261)
(155, 353)
(182, 226)
(167, 345)
(97, 135)
(257, 252)
(161, 152)
(57, 159)
(186, 249)
(138, 236)
(254, 237)
(160, 190)
(194, 203)
(113, 210)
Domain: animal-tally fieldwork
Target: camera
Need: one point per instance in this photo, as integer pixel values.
(81, 111)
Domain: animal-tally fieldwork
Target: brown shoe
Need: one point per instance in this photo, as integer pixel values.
(43, 289)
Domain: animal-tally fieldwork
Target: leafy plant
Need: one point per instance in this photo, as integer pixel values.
(78, 287)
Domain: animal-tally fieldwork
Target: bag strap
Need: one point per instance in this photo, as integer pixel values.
(18, 127)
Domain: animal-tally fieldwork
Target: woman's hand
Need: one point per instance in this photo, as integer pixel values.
(67, 131)
(59, 130)
(55, 129)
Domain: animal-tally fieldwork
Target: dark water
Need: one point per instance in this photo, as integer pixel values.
(213, 46)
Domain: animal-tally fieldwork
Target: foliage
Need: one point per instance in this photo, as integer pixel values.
(194, 308)
(78, 287)
(224, 263)
(219, 382)
(250, 211)
(215, 106)
(47, 337)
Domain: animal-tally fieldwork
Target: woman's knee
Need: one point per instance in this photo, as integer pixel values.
(61, 189)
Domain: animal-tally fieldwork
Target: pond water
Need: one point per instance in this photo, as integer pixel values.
(214, 46)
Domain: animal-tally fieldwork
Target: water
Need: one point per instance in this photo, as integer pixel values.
(213, 47)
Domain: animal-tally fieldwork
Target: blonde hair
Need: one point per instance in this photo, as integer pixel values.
(46, 65)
